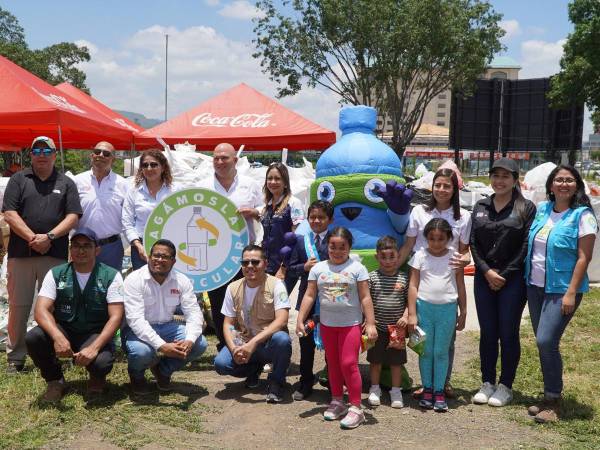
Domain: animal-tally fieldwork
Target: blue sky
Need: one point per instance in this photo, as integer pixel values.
(210, 48)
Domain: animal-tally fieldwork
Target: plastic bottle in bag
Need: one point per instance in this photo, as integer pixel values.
(236, 336)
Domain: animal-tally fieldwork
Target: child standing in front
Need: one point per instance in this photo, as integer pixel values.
(388, 286)
(343, 290)
(435, 288)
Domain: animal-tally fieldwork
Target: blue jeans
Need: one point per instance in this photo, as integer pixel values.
(112, 254)
(277, 350)
(549, 325)
(141, 356)
(499, 314)
(438, 321)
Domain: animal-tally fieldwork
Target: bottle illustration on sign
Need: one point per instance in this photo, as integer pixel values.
(197, 241)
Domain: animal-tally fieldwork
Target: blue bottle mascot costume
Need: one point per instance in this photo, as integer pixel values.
(362, 177)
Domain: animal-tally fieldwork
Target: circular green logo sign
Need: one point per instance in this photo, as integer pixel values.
(207, 231)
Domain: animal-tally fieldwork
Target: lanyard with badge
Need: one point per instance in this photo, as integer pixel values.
(311, 252)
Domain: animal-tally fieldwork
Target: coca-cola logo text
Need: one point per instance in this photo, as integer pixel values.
(248, 120)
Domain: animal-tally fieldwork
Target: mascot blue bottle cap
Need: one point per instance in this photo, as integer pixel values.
(358, 150)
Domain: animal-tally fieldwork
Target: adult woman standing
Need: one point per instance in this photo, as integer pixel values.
(444, 204)
(282, 213)
(560, 246)
(153, 182)
(500, 226)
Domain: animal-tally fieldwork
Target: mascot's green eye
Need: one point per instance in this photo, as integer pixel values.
(371, 187)
(326, 191)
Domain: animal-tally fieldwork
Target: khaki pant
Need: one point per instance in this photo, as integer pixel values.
(23, 275)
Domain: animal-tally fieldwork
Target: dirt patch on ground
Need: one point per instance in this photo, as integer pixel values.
(238, 418)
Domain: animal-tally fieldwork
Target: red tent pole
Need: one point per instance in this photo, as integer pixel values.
(62, 159)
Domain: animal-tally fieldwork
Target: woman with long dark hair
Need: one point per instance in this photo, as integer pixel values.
(153, 182)
(444, 204)
(282, 213)
(560, 245)
(499, 230)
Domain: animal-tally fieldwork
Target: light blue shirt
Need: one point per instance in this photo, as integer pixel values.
(138, 206)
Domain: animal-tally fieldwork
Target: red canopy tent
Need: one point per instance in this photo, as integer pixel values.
(92, 103)
(30, 107)
(241, 116)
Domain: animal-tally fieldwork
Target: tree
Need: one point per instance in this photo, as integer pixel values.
(579, 78)
(54, 64)
(394, 55)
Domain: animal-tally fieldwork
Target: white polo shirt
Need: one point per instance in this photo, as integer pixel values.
(102, 203)
(243, 192)
(149, 303)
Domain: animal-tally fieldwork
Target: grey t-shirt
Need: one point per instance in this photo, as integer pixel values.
(338, 292)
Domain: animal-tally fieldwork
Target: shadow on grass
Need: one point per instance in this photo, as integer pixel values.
(191, 393)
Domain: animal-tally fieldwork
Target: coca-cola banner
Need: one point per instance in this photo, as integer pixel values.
(249, 120)
(241, 116)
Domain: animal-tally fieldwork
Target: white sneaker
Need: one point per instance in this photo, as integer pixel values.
(396, 398)
(501, 397)
(484, 394)
(267, 368)
(374, 396)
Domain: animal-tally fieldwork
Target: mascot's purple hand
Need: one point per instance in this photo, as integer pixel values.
(396, 197)
(289, 240)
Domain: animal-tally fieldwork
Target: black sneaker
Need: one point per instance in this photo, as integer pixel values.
(275, 394)
(253, 380)
(162, 381)
(139, 386)
(302, 392)
(13, 368)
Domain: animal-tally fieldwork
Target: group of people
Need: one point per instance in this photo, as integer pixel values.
(522, 254)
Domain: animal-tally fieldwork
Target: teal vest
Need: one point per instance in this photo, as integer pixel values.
(77, 311)
(561, 248)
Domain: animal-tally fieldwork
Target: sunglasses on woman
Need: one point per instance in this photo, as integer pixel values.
(152, 165)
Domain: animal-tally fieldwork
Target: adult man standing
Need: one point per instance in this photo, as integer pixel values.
(245, 193)
(153, 339)
(78, 310)
(41, 206)
(256, 310)
(102, 193)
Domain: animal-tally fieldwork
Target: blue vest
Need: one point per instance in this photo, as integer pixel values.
(561, 248)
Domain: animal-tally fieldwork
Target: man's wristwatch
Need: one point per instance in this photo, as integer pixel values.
(51, 236)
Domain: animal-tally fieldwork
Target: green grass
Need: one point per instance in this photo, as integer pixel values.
(580, 349)
(129, 422)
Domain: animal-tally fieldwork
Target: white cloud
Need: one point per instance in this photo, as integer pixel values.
(202, 64)
(535, 30)
(511, 27)
(540, 58)
(240, 9)
(212, 2)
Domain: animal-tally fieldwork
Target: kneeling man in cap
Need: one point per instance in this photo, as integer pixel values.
(78, 310)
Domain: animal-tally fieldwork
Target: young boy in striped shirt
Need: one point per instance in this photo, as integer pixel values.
(389, 291)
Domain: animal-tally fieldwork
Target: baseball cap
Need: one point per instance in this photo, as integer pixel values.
(506, 164)
(83, 231)
(49, 143)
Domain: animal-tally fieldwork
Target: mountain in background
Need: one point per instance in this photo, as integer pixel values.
(140, 119)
